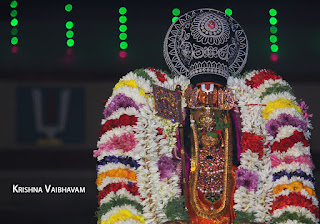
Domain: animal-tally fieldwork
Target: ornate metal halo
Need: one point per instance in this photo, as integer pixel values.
(208, 40)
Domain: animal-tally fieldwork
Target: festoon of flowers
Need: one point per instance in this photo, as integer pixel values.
(253, 182)
(287, 124)
(156, 136)
(117, 181)
(135, 168)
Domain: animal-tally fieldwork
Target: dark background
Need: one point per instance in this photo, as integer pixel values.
(95, 67)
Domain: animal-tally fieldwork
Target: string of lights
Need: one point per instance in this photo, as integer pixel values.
(176, 14)
(123, 29)
(123, 36)
(14, 26)
(69, 32)
(273, 35)
(228, 11)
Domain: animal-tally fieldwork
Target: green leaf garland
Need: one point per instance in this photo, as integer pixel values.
(175, 209)
(276, 88)
(117, 201)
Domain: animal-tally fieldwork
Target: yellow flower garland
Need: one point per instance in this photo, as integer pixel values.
(281, 103)
(122, 215)
(131, 83)
(122, 173)
(294, 186)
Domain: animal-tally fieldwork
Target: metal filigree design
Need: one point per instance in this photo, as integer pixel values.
(212, 29)
(205, 41)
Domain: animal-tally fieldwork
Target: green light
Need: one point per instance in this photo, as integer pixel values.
(13, 13)
(14, 22)
(174, 19)
(14, 31)
(122, 19)
(69, 33)
(13, 4)
(273, 12)
(69, 24)
(14, 40)
(273, 38)
(123, 36)
(68, 7)
(273, 21)
(123, 28)
(123, 10)
(273, 29)
(123, 45)
(228, 11)
(274, 48)
(70, 42)
(176, 12)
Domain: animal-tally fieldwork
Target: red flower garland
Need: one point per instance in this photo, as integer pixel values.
(160, 76)
(123, 120)
(160, 132)
(294, 199)
(252, 142)
(288, 142)
(132, 188)
(260, 77)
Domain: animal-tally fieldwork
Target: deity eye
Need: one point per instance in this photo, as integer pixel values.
(211, 24)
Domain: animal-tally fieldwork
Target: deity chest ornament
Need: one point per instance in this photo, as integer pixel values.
(211, 165)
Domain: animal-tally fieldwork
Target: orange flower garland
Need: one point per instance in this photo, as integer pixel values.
(294, 186)
(121, 173)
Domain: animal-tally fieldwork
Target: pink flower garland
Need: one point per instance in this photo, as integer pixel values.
(126, 142)
(304, 159)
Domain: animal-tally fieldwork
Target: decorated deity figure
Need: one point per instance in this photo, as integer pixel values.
(207, 46)
(204, 144)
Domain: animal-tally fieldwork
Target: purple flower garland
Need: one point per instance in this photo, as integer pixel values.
(247, 179)
(297, 173)
(120, 159)
(119, 101)
(166, 167)
(273, 125)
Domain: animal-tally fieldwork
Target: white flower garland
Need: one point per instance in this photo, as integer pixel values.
(150, 149)
(248, 100)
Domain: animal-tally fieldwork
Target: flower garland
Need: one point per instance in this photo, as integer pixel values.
(135, 166)
(156, 137)
(253, 189)
(123, 120)
(119, 101)
(116, 167)
(121, 213)
(286, 124)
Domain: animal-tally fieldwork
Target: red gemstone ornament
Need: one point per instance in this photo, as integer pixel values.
(211, 24)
